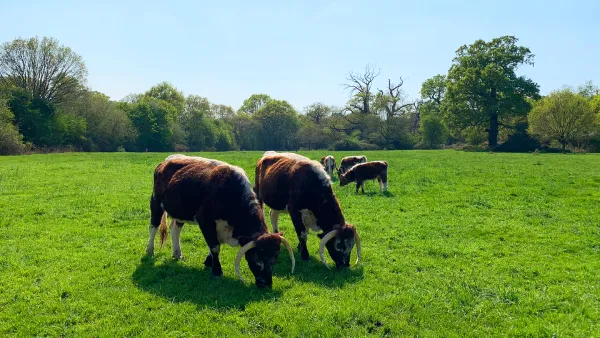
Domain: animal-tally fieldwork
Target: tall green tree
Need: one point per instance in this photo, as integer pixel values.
(279, 123)
(255, 102)
(153, 120)
(44, 68)
(433, 91)
(167, 92)
(483, 86)
(563, 116)
(11, 142)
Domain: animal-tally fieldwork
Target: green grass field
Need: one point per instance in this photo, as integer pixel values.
(474, 244)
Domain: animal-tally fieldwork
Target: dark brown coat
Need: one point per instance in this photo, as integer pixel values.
(349, 161)
(294, 184)
(220, 198)
(367, 171)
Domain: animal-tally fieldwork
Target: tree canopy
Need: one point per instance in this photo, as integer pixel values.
(483, 87)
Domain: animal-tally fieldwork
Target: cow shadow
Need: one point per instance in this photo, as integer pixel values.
(180, 283)
(375, 193)
(314, 272)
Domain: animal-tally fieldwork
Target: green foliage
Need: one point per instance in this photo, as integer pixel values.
(43, 68)
(254, 103)
(168, 93)
(69, 130)
(33, 117)
(11, 142)
(153, 120)
(279, 123)
(433, 131)
(433, 91)
(483, 88)
(107, 126)
(563, 116)
(453, 249)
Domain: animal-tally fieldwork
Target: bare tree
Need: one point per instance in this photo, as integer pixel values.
(391, 102)
(360, 86)
(44, 68)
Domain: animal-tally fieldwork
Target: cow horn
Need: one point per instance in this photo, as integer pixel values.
(357, 241)
(290, 251)
(324, 241)
(238, 258)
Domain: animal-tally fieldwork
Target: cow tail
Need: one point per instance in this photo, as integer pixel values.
(162, 229)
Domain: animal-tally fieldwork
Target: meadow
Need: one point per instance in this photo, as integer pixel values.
(463, 244)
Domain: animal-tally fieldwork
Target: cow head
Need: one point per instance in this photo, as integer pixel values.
(339, 243)
(346, 178)
(261, 255)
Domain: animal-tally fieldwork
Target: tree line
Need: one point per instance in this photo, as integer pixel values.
(481, 102)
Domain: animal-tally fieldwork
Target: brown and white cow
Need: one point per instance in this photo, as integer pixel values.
(349, 161)
(328, 162)
(366, 171)
(294, 184)
(219, 198)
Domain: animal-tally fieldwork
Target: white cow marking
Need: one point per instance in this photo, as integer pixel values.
(225, 233)
(309, 220)
(150, 247)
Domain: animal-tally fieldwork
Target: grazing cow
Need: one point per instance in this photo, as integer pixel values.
(366, 171)
(219, 198)
(328, 162)
(349, 161)
(294, 184)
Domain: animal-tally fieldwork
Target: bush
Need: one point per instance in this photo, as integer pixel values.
(11, 142)
(353, 144)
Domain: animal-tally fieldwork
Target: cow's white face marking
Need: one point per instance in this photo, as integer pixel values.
(225, 233)
(309, 220)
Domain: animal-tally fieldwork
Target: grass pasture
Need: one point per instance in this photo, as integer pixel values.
(473, 244)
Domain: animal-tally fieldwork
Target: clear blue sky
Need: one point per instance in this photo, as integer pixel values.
(301, 51)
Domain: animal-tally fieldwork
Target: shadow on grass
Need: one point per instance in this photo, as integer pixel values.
(180, 283)
(375, 193)
(314, 272)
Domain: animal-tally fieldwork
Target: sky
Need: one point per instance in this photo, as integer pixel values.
(302, 51)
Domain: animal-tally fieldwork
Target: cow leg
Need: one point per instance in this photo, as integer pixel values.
(274, 214)
(380, 183)
(301, 231)
(156, 213)
(362, 186)
(176, 228)
(209, 230)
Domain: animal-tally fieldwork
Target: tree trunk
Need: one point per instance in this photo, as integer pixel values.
(493, 132)
(564, 146)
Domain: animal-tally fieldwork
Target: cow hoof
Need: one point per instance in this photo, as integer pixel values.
(178, 256)
(150, 252)
(218, 273)
(208, 261)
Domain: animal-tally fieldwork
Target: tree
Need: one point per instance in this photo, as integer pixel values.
(252, 104)
(45, 69)
(390, 105)
(169, 93)
(433, 91)
(153, 120)
(246, 131)
(562, 116)
(221, 111)
(482, 86)
(433, 131)
(318, 112)
(588, 90)
(361, 89)
(11, 142)
(108, 127)
(279, 123)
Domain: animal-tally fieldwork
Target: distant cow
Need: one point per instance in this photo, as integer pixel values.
(367, 171)
(219, 197)
(349, 161)
(294, 184)
(328, 162)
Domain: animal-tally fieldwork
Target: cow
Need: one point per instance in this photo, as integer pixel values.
(366, 171)
(328, 162)
(220, 199)
(349, 161)
(294, 184)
